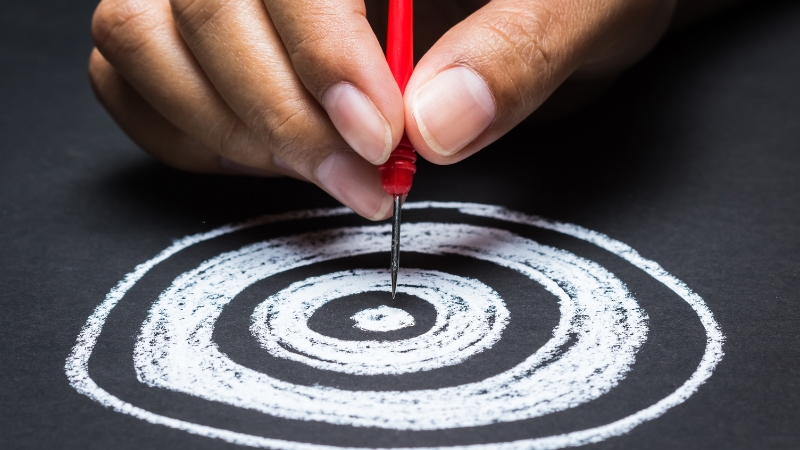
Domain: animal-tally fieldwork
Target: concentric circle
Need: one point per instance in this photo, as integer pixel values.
(175, 349)
(470, 318)
(591, 350)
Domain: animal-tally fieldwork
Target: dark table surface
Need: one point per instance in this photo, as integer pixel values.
(692, 158)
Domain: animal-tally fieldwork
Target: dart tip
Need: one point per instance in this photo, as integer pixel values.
(394, 281)
(395, 243)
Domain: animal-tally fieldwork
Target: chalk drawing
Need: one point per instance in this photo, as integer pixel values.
(175, 350)
(383, 318)
(470, 318)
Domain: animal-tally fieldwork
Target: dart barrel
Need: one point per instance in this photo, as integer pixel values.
(397, 173)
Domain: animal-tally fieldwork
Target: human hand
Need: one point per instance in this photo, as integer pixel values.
(274, 87)
(292, 87)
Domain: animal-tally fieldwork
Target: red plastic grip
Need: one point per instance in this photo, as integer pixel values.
(397, 173)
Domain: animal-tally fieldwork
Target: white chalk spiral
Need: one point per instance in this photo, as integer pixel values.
(470, 318)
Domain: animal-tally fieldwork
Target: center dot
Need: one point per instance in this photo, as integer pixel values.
(382, 318)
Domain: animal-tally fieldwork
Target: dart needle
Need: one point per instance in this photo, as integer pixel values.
(397, 173)
(395, 243)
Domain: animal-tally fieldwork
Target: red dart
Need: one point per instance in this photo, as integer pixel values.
(397, 172)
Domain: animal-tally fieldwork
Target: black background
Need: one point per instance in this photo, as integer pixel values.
(692, 158)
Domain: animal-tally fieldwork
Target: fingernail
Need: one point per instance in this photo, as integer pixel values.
(241, 169)
(359, 122)
(356, 183)
(452, 109)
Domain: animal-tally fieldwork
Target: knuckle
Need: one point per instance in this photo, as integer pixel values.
(308, 46)
(312, 55)
(520, 38)
(283, 130)
(236, 140)
(191, 16)
(289, 131)
(122, 26)
(324, 41)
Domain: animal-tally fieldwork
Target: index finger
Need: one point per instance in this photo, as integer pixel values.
(339, 60)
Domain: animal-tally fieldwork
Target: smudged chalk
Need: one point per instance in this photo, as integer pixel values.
(383, 318)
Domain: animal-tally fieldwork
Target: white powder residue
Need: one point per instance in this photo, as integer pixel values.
(383, 318)
(175, 350)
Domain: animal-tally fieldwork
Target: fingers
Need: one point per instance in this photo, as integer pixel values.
(146, 126)
(240, 53)
(239, 49)
(327, 44)
(139, 39)
(232, 89)
(496, 67)
(339, 60)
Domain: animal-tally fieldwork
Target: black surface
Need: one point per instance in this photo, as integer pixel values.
(692, 158)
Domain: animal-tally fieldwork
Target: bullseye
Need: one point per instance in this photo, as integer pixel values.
(590, 351)
(383, 318)
(470, 318)
(175, 349)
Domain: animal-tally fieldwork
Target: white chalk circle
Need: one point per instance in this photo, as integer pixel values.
(470, 318)
(382, 319)
(175, 350)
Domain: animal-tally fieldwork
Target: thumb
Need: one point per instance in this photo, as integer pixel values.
(492, 70)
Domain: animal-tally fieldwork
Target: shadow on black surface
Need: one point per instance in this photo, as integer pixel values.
(163, 190)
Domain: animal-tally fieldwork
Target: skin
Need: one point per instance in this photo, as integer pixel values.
(301, 88)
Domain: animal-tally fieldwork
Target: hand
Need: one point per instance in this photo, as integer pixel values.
(301, 87)
(279, 87)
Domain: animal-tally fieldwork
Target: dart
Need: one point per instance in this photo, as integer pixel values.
(397, 172)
